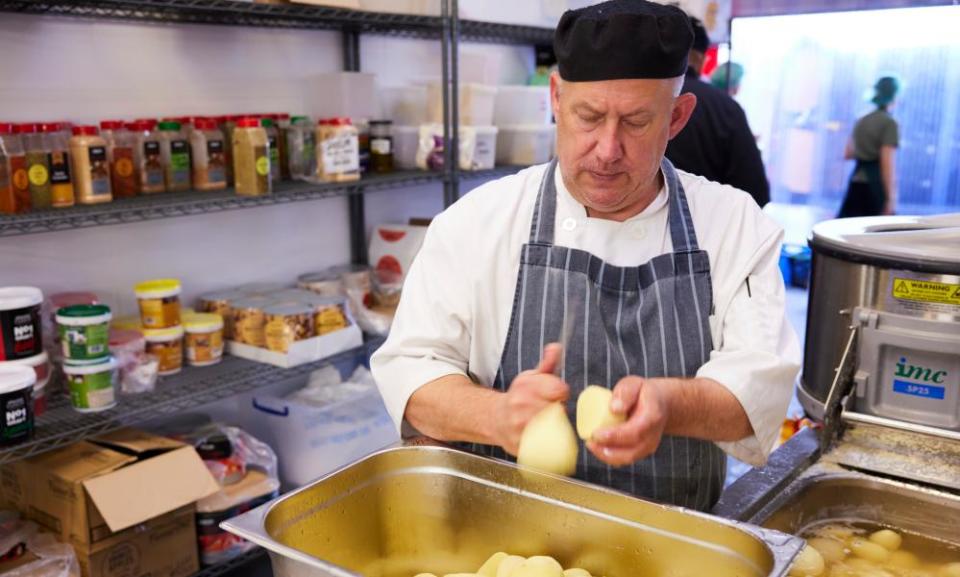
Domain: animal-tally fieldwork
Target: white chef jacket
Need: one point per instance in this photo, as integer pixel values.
(457, 299)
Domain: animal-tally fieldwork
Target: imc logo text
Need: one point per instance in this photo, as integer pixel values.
(919, 373)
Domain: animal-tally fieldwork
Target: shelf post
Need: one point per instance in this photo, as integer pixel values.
(357, 210)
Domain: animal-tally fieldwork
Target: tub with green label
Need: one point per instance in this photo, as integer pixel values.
(92, 386)
(84, 332)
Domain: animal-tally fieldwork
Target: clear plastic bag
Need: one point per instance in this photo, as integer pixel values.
(51, 558)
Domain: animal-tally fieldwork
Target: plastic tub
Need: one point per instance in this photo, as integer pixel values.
(404, 105)
(478, 147)
(84, 332)
(167, 346)
(20, 323)
(406, 140)
(286, 324)
(40, 365)
(159, 302)
(247, 320)
(525, 144)
(204, 339)
(476, 103)
(92, 387)
(16, 405)
(522, 105)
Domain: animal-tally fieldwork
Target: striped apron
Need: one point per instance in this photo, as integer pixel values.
(649, 321)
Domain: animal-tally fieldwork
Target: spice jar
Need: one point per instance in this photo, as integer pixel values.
(227, 124)
(248, 320)
(301, 148)
(56, 141)
(120, 146)
(167, 346)
(88, 155)
(273, 141)
(282, 122)
(338, 152)
(175, 152)
(148, 160)
(159, 302)
(209, 156)
(251, 158)
(38, 165)
(381, 146)
(14, 182)
(287, 324)
(204, 339)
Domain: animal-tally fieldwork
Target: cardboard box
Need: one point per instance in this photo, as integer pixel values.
(125, 501)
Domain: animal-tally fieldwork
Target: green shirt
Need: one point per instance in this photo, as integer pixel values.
(871, 133)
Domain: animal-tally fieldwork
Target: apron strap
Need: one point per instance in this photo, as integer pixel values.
(543, 223)
(682, 233)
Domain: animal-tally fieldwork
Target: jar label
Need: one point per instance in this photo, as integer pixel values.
(169, 354)
(85, 343)
(94, 391)
(263, 166)
(341, 154)
(179, 163)
(59, 167)
(99, 171)
(21, 333)
(160, 313)
(21, 183)
(17, 410)
(38, 175)
(381, 146)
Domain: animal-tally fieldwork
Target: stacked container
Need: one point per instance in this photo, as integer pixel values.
(524, 116)
(159, 302)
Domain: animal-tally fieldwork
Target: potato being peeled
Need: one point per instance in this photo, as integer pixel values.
(508, 565)
(593, 411)
(549, 443)
(490, 566)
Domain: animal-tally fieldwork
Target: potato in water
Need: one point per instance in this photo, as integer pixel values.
(505, 565)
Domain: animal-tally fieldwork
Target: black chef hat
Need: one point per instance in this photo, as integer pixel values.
(623, 39)
(701, 40)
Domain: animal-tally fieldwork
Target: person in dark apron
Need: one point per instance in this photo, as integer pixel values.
(872, 187)
(591, 271)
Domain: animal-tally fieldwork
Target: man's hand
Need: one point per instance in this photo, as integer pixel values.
(529, 393)
(646, 405)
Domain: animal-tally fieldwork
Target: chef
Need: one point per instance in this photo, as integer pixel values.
(606, 267)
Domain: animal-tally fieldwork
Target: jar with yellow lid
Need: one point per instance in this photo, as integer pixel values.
(159, 302)
(204, 339)
(167, 346)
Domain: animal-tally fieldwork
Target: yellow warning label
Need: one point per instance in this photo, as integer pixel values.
(926, 291)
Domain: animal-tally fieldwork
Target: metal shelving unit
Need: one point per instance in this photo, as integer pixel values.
(235, 13)
(228, 567)
(61, 425)
(491, 32)
(169, 205)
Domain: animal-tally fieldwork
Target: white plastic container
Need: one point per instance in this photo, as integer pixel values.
(16, 390)
(476, 103)
(522, 105)
(478, 147)
(311, 441)
(404, 105)
(167, 346)
(406, 140)
(418, 7)
(341, 94)
(525, 144)
(93, 388)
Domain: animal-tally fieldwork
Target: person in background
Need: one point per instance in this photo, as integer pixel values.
(727, 77)
(717, 143)
(873, 186)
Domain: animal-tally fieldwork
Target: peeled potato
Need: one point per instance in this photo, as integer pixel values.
(831, 550)
(576, 572)
(490, 566)
(538, 567)
(808, 563)
(508, 565)
(889, 540)
(869, 551)
(904, 560)
(949, 570)
(549, 443)
(593, 411)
